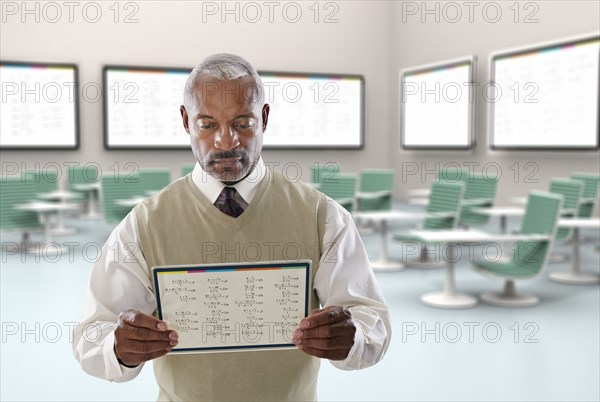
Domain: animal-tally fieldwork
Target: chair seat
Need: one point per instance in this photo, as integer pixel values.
(507, 268)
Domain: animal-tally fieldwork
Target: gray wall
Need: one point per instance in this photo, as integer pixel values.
(418, 39)
(172, 33)
(369, 38)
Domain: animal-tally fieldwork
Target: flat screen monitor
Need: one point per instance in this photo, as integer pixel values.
(141, 108)
(437, 106)
(39, 106)
(314, 111)
(545, 97)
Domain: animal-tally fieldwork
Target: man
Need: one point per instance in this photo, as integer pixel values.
(229, 200)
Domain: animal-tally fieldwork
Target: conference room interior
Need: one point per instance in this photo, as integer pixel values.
(462, 137)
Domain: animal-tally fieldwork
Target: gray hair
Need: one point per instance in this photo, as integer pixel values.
(224, 67)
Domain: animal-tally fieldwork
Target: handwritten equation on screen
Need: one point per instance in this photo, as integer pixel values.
(233, 307)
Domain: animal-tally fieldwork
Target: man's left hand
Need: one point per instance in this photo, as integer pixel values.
(327, 333)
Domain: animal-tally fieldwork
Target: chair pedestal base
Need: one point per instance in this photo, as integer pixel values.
(425, 262)
(509, 297)
(571, 278)
(449, 300)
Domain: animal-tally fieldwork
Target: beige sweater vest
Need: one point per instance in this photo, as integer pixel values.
(285, 221)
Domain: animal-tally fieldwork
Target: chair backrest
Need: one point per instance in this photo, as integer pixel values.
(186, 169)
(342, 188)
(324, 172)
(571, 191)
(541, 216)
(591, 182)
(444, 198)
(44, 181)
(116, 186)
(15, 191)
(153, 180)
(373, 180)
(82, 175)
(478, 186)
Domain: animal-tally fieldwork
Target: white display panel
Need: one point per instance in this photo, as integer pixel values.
(314, 110)
(437, 105)
(141, 108)
(39, 106)
(546, 97)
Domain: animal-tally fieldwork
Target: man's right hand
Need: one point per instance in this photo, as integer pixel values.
(140, 337)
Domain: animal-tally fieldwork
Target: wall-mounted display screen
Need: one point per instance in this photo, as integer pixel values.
(546, 97)
(141, 108)
(314, 110)
(39, 106)
(437, 106)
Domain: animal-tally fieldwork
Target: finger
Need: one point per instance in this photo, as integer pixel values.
(342, 328)
(144, 334)
(132, 359)
(137, 347)
(339, 342)
(336, 354)
(327, 316)
(138, 319)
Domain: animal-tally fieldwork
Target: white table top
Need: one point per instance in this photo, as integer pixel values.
(470, 236)
(130, 202)
(579, 223)
(45, 206)
(88, 186)
(499, 211)
(379, 216)
(419, 201)
(61, 195)
(419, 192)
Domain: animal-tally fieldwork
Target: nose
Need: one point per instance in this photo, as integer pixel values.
(226, 139)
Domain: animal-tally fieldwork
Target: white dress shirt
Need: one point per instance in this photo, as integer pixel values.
(119, 282)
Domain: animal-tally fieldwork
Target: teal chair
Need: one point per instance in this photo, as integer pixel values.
(442, 213)
(323, 172)
(119, 186)
(15, 191)
(153, 180)
(375, 191)
(589, 199)
(342, 189)
(530, 256)
(571, 191)
(480, 192)
(186, 169)
(44, 181)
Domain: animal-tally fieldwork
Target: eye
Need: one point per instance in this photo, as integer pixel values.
(244, 125)
(206, 125)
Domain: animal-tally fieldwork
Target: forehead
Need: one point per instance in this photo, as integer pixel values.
(214, 94)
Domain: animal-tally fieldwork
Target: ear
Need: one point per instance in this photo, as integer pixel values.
(184, 117)
(265, 116)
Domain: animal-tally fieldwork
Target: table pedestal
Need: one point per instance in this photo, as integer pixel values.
(383, 264)
(575, 276)
(449, 297)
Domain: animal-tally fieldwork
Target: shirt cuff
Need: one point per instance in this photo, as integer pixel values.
(353, 360)
(115, 371)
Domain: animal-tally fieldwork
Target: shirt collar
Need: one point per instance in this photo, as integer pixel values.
(211, 187)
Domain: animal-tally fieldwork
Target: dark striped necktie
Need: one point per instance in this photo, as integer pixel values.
(230, 202)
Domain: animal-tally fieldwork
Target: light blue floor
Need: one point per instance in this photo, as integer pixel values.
(546, 353)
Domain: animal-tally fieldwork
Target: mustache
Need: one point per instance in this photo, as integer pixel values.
(227, 155)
